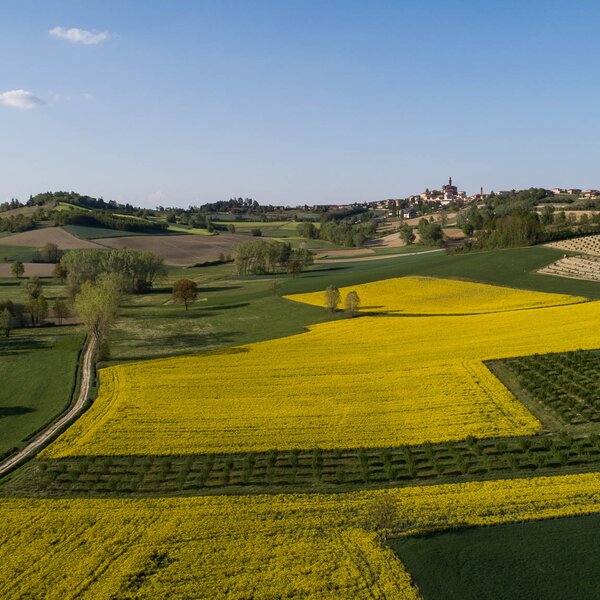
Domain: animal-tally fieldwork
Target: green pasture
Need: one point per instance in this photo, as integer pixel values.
(539, 560)
(37, 371)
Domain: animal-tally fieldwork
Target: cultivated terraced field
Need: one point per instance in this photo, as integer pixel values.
(298, 546)
(160, 489)
(362, 382)
(575, 267)
(590, 244)
(586, 266)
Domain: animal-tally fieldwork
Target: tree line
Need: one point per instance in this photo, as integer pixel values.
(262, 257)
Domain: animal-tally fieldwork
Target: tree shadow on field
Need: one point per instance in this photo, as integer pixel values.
(213, 309)
(16, 283)
(18, 345)
(12, 411)
(322, 270)
(200, 343)
(217, 288)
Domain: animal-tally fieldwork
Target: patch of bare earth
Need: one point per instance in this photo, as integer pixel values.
(179, 250)
(454, 233)
(392, 240)
(37, 238)
(31, 270)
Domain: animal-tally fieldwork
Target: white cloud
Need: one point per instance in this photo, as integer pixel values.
(20, 99)
(79, 36)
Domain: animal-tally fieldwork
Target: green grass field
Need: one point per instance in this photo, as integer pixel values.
(189, 230)
(14, 253)
(543, 560)
(37, 371)
(12, 289)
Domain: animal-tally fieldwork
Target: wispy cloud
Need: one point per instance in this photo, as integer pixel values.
(79, 36)
(20, 99)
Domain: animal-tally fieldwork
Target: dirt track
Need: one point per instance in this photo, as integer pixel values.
(373, 257)
(41, 439)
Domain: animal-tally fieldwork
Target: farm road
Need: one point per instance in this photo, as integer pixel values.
(38, 442)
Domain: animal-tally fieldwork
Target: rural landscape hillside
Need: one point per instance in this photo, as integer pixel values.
(257, 343)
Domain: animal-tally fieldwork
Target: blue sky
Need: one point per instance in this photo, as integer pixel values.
(291, 102)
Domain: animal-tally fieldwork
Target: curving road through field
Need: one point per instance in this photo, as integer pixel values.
(39, 441)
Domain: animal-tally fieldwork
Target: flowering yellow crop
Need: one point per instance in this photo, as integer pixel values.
(298, 546)
(428, 295)
(370, 381)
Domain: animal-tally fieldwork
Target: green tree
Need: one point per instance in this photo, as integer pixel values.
(60, 310)
(37, 307)
(407, 234)
(332, 298)
(33, 287)
(60, 272)
(431, 234)
(18, 268)
(97, 304)
(231, 228)
(306, 229)
(51, 253)
(184, 290)
(547, 217)
(5, 322)
(352, 303)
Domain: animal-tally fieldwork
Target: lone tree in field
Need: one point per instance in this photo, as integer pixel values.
(352, 303)
(18, 268)
(5, 322)
(332, 298)
(383, 515)
(97, 303)
(61, 310)
(184, 290)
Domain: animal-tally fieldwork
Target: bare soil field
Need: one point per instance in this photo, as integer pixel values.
(391, 240)
(179, 250)
(350, 253)
(454, 233)
(31, 270)
(36, 238)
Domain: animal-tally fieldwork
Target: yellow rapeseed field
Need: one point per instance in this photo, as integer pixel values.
(432, 296)
(295, 546)
(369, 381)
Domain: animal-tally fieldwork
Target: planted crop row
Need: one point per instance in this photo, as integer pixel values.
(567, 382)
(117, 475)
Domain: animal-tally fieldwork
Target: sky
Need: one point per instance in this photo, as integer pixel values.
(180, 102)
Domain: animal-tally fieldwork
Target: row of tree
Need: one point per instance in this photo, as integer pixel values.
(137, 270)
(261, 257)
(342, 233)
(333, 297)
